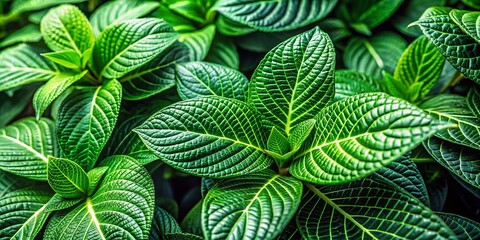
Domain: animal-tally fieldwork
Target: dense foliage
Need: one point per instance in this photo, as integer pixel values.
(239, 119)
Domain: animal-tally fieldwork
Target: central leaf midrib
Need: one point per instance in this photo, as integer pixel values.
(95, 221)
(68, 179)
(28, 148)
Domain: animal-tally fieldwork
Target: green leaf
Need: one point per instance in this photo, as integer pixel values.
(66, 28)
(395, 87)
(192, 222)
(86, 120)
(229, 27)
(23, 213)
(275, 16)
(356, 136)
(67, 178)
(277, 142)
(10, 182)
(421, 63)
(467, 21)
(156, 76)
(122, 207)
(459, 160)
(371, 13)
(472, 3)
(473, 100)
(180, 23)
(21, 65)
(12, 106)
(29, 33)
(374, 55)
(25, 145)
(20, 6)
(182, 236)
(459, 48)
(195, 10)
(196, 79)
(336, 28)
(453, 109)
(199, 42)
(67, 58)
(463, 228)
(300, 133)
(94, 177)
(57, 203)
(349, 83)
(113, 12)
(409, 12)
(210, 136)
(163, 223)
(254, 206)
(366, 209)
(47, 93)
(404, 175)
(130, 44)
(294, 80)
(223, 51)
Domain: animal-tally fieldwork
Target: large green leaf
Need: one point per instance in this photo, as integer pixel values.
(370, 13)
(25, 145)
(113, 12)
(22, 65)
(453, 109)
(374, 55)
(130, 44)
(356, 136)
(86, 120)
(254, 206)
(350, 82)
(66, 28)
(294, 80)
(463, 228)
(196, 79)
(67, 178)
(47, 93)
(22, 213)
(20, 6)
(121, 208)
(459, 48)
(459, 160)
(211, 136)
(366, 209)
(472, 3)
(421, 64)
(199, 41)
(156, 76)
(275, 16)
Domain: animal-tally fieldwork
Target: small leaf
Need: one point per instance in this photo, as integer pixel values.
(199, 42)
(300, 133)
(163, 223)
(395, 86)
(473, 100)
(356, 136)
(196, 79)
(66, 177)
(193, 10)
(192, 222)
(210, 136)
(94, 177)
(263, 199)
(66, 58)
(224, 51)
(349, 83)
(47, 93)
(25, 145)
(463, 228)
(277, 142)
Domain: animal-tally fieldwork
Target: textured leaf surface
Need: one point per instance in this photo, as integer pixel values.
(66, 28)
(86, 120)
(209, 136)
(371, 13)
(67, 178)
(20, 6)
(350, 82)
(22, 65)
(224, 51)
(294, 80)
(94, 177)
(25, 145)
(273, 16)
(10, 182)
(122, 207)
(358, 135)
(130, 44)
(453, 109)
(463, 228)
(460, 160)
(196, 79)
(254, 206)
(467, 21)
(67, 58)
(199, 42)
(163, 223)
(473, 100)
(366, 209)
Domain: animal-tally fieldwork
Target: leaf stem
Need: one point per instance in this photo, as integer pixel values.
(283, 171)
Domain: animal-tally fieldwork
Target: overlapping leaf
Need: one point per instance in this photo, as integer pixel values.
(254, 206)
(358, 135)
(29, 33)
(199, 42)
(463, 228)
(294, 80)
(224, 51)
(473, 100)
(210, 136)
(163, 223)
(371, 13)
(67, 178)
(20, 6)
(350, 82)
(467, 21)
(409, 12)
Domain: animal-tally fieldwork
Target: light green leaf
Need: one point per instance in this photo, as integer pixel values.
(94, 177)
(349, 83)
(300, 133)
(25, 145)
(374, 55)
(22, 213)
(210, 136)
(263, 200)
(473, 100)
(223, 51)
(409, 12)
(196, 79)
(396, 87)
(356, 136)
(67, 58)
(277, 142)
(20, 6)
(180, 23)
(156, 76)
(463, 228)
(21, 65)
(459, 160)
(86, 120)
(371, 13)
(199, 42)
(130, 44)
(29, 33)
(275, 16)
(113, 12)
(453, 109)
(66, 28)
(67, 178)
(121, 208)
(420, 64)
(163, 223)
(294, 80)
(460, 49)
(366, 209)
(47, 93)
(195, 10)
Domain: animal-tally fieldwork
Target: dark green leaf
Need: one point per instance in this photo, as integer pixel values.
(463, 227)
(192, 223)
(473, 100)
(409, 12)
(163, 223)
(371, 13)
